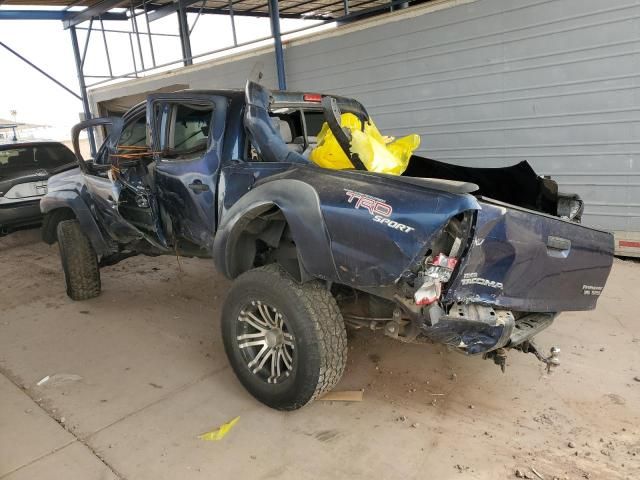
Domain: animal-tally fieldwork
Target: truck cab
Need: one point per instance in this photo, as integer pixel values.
(155, 178)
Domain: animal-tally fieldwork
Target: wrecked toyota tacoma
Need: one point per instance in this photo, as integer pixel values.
(478, 259)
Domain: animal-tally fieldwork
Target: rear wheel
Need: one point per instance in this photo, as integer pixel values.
(79, 261)
(285, 341)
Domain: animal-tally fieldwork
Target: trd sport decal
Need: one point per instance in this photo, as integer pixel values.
(378, 208)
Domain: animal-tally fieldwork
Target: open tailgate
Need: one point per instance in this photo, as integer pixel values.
(529, 261)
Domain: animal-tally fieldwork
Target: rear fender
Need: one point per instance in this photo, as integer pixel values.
(337, 235)
(300, 205)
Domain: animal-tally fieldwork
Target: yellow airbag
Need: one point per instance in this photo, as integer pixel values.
(377, 152)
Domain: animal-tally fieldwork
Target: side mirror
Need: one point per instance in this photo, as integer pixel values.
(114, 126)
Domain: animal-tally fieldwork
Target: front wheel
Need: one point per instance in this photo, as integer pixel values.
(79, 261)
(285, 341)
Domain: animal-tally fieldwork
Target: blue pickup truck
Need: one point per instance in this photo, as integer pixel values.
(479, 259)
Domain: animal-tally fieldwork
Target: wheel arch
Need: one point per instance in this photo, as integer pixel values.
(66, 205)
(52, 219)
(281, 214)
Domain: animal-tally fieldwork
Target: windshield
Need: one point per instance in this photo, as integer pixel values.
(47, 156)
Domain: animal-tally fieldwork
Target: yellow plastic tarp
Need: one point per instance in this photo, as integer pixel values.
(377, 152)
(220, 432)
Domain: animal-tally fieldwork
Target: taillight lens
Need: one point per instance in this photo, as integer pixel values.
(428, 293)
(442, 260)
(437, 271)
(440, 267)
(312, 97)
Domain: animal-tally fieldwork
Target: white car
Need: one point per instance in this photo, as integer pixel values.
(25, 168)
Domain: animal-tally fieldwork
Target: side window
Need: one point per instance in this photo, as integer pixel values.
(252, 153)
(314, 120)
(44, 155)
(288, 125)
(134, 133)
(16, 159)
(187, 135)
(53, 155)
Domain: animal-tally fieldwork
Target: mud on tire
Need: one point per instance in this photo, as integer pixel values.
(79, 261)
(313, 329)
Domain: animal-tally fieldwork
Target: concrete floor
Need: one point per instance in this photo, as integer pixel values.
(141, 372)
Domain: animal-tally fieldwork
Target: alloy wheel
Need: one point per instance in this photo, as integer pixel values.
(265, 342)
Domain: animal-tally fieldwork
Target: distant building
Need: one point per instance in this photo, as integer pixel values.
(10, 130)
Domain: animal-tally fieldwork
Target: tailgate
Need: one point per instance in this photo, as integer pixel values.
(528, 261)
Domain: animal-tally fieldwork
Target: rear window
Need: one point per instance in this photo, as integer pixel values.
(48, 156)
(314, 120)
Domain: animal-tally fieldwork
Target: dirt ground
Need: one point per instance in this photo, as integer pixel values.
(139, 372)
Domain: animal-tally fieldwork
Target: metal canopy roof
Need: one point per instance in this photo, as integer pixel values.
(314, 9)
(51, 3)
(89, 15)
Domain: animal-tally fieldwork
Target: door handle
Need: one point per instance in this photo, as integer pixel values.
(558, 247)
(198, 187)
(558, 243)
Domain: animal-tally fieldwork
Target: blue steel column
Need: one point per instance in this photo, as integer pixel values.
(185, 42)
(274, 15)
(83, 88)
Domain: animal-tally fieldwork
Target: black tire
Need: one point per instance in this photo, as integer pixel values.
(312, 324)
(79, 261)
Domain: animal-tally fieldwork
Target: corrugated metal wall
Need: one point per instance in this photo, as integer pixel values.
(491, 82)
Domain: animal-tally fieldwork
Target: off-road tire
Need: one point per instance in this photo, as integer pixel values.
(79, 261)
(314, 319)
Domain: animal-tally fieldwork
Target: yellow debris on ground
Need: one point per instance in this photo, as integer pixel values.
(220, 432)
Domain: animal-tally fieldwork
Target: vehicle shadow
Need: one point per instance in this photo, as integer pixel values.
(19, 237)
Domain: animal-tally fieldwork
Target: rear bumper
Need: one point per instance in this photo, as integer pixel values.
(482, 335)
(20, 214)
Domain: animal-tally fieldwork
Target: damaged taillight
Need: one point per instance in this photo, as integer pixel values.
(440, 267)
(442, 260)
(428, 292)
(437, 271)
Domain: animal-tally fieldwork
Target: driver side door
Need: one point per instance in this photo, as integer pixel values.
(118, 180)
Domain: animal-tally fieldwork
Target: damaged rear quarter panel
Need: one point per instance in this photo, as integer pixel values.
(366, 251)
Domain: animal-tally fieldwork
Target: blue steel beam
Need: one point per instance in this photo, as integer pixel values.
(246, 13)
(51, 15)
(185, 41)
(164, 10)
(274, 15)
(100, 9)
(35, 67)
(170, 8)
(83, 87)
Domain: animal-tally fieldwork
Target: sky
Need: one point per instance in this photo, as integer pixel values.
(45, 43)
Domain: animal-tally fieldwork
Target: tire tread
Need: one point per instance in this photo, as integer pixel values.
(325, 318)
(79, 261)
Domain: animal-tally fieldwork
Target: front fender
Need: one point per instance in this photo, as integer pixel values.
(70, 199)
(300, 206)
